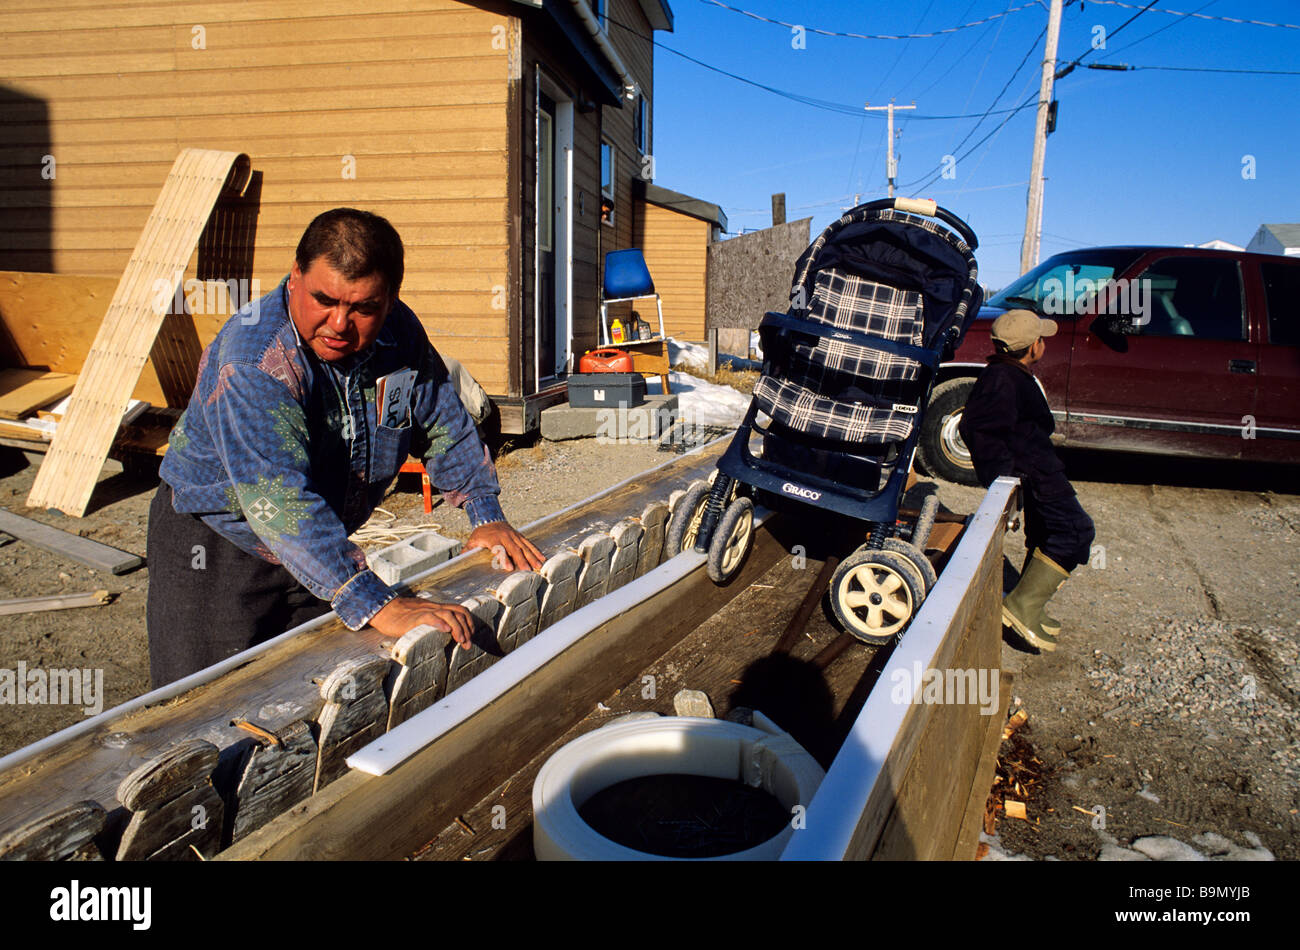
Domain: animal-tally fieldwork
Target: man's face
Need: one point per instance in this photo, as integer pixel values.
(335, 316)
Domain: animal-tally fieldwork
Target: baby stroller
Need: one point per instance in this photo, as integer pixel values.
(879, 300)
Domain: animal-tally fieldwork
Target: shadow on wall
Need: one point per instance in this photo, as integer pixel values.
(225, 254)
(28, 173)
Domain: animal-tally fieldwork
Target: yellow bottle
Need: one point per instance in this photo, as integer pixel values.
(616, 331)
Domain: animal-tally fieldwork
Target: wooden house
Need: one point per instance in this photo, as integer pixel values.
(501, 137)
(675, 231)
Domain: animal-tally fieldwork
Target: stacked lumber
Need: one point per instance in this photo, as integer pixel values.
(275, 724)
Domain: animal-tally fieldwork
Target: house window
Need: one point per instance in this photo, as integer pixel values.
(607, 156)
(641, 125)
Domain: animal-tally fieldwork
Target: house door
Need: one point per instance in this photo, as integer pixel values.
(554, 230)
(546, 214)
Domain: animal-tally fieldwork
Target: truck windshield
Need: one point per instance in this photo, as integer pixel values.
(1059, 286)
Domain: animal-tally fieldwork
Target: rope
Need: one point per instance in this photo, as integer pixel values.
(382, 528)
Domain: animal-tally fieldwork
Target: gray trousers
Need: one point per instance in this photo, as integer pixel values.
(208, 599)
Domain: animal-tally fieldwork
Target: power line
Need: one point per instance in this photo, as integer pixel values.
(1169, 25)
(829, 106)
(867, 36)
(1204, 16)
(1005, 86)
(1196, 69)
(1069, 67)
(1032, 101)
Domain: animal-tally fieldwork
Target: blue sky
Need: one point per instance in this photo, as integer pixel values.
(1144, 156)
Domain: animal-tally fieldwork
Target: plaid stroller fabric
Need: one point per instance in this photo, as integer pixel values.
(831, 389)
(837, 390)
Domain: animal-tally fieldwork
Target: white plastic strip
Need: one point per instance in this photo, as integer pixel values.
(393, 748)
(839, 803)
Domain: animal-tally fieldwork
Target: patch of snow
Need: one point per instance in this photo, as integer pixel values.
(1164, 848)
(1214, 847)
(1111, 852)
(701, 403)
(692, 355)
(996, 852)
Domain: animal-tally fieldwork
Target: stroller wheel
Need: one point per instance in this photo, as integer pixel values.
(875, 594)
(731, 541)
(685, 522)
(925, 576)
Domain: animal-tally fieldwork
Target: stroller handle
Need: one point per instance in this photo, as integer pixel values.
(928, 208)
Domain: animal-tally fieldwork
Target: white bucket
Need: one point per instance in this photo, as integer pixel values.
(770, 760)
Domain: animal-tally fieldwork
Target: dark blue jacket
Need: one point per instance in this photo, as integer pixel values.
(1007, 426)
(284, 455)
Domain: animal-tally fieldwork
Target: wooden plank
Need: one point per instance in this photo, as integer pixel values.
(355, 712)
(55, 836)
(69, 471)
(387, 817)
(102, 557)
(421, 674)
(27, 605)
(972, 822)
(275, 777)
(931, 799)
(853, 808)
(173, 805)
(23, 391)
(597, 550)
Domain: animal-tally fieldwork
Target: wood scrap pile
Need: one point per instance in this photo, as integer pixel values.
(1019, 772)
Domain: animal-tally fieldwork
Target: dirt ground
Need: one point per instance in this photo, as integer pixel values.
(1172, 702)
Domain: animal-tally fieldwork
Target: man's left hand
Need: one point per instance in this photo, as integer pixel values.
(511, 551)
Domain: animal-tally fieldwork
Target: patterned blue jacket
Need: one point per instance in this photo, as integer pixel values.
(281, 453)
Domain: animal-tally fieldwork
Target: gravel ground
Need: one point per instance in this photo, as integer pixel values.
(1172, 702)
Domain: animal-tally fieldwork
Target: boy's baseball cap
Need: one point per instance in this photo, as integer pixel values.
(1017, 329)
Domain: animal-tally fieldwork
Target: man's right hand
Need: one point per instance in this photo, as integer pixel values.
(399, 615)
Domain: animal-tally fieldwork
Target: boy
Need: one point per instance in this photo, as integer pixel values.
(1007, 426)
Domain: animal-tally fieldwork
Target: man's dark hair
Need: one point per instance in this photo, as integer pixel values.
(356, 244)
(1019, 354)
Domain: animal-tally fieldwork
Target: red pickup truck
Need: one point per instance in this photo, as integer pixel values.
(1172, 350)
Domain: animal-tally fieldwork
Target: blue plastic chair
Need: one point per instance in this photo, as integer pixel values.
(627, 278)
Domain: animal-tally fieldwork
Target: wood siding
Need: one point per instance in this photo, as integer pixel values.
(676, 251)
(401, 108)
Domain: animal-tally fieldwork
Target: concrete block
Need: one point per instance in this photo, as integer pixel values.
(398, 562)
(642, 423)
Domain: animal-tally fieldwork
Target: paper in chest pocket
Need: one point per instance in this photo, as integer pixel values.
(393, 397)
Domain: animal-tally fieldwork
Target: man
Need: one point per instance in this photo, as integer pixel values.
(286, 449)
(1007, 426)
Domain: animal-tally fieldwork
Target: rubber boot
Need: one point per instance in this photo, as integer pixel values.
(1022, 609)
(1051, 626)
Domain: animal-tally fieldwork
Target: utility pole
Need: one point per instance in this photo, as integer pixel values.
(1034, 211)
(891, 170)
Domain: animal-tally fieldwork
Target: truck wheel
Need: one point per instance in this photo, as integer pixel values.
(940, 447)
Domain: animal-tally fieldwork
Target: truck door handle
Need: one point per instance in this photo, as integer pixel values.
(1241, 366)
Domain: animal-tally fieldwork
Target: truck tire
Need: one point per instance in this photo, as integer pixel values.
(940, 447)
